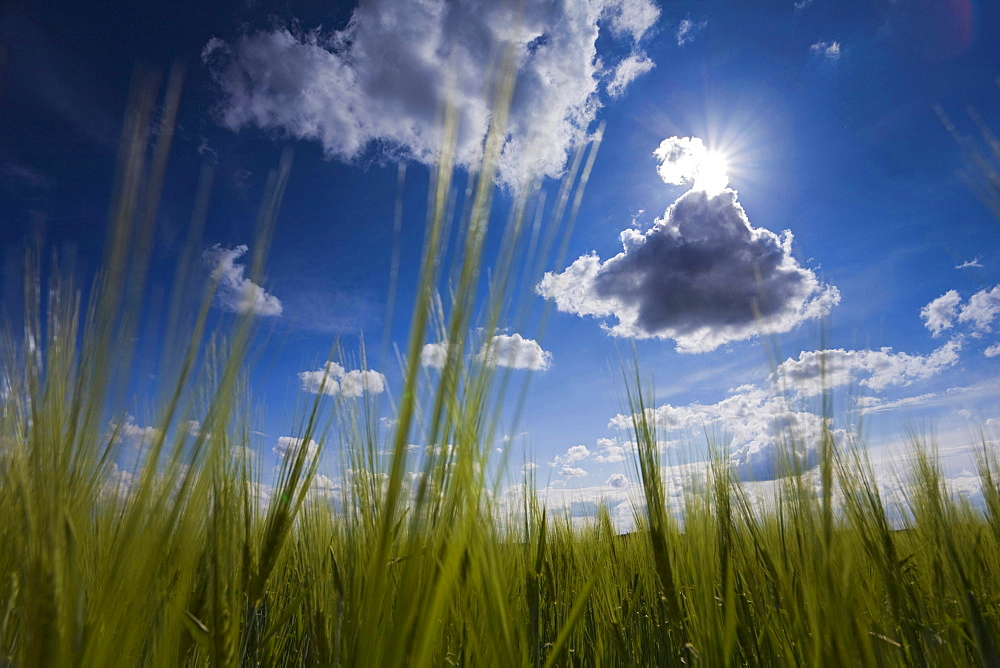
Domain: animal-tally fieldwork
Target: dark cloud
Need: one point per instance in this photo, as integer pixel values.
(702, 276)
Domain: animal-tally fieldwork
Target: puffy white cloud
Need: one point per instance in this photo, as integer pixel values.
(687, 29)
(978, 314)
(627, 71)
(940, 314)
(572, 472)
(982, 308)
(235, 292)
(333, 379)
(288, 447)
(611, 451)
(572, 455)
(515, 352)
(387, 75)
(617, 480)
(876, 369)
(702, 276)
(434, 354)
(132, 435)
(829, 50)
(631, 17)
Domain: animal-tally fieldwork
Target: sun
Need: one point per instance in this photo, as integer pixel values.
(712, 175)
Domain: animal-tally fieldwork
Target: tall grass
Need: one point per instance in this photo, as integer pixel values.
(169, 556)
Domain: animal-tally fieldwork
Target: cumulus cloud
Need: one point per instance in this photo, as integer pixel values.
(515, 352)
(434, 354)
(612, 451)
(687, 29)
(978, 314)
(572, 472)
(982, 309)
(332, 379)
(617, 480)
(572, 455)
(829, 50)
(814, 370)
(386, 76)
(702, 276)
(235, 292)
(769, 436)
(132, 435)
(940, 314)
(627, 71)
(288, 447)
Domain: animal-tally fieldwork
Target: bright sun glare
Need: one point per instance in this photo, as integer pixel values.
(712, 174)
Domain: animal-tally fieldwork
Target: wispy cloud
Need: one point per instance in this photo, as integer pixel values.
(385, 76)
(688, 29)
(828, 50)
(235, 292)
(627, 71)
(974, 263)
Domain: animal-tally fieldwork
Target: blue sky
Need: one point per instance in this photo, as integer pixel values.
(843, 183)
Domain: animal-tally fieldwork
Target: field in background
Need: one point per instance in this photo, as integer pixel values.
(171, 556)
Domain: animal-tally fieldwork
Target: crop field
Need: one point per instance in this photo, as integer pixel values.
(170, 556)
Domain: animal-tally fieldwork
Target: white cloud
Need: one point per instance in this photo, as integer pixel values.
(764, 427)
(974, 263)
(118, 482)
(829, 50)
(572, 472)
(434, 354)
(611, 451)
(982, 308)
(811, 371)
(288, 447)
(978, 313)
(385, 77)
(684, 160)
(515, 352)
(235, 292)
(191, 427)
(631, 17)
(627, 71)
(617, 480)
(702, 276)
(875, 404)
(687, 29)
(572, 455)
(802, 4)
(134, 436)
(940, 314)
(332, 379)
